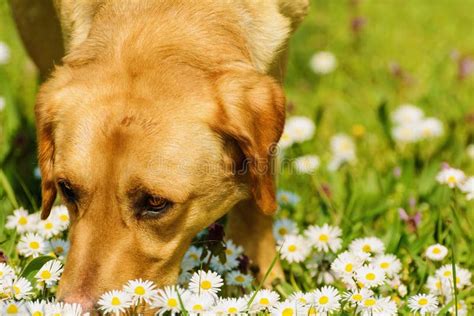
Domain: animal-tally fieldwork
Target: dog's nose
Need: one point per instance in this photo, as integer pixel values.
(85, 301)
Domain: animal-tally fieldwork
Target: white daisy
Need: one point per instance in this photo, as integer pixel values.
(423, 303)
(326, 299)
(343, 147)
(451, 176)
(357, 296)
(21, 221)
(264, 299)
(462, 309)
(54, 309)
(60, 215)
(436, 252)
(323, 62)
(284, 227)
(12, 308)
(205, 283)
(192, 258)
(230, 306)
(49, 227)
(73, 309)
(324, 238)
(232, 250)
(286, 140)
(468, 187)
(370, 276)
(381, 306)
(470, 151)
(287, 197)
(294, 248)
(300, 128)
(239, 279)
(389, 263)
(168, 299)
(407, 133)
(306, 164)
(431, 127)
(288, 308)
(303, 298)
(19, 289)
(36, 308)
(436, 286)
(370, 245)
(230, 264)
(346, 264)
(59, 247)
(114, 302)
(50, 273)
(6, 272)
(407, 113)
(198, 304)
(31, 245)
(445, 274)
(141, 291)
(4, 53)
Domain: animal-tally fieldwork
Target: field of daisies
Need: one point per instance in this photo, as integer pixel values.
(375, 184)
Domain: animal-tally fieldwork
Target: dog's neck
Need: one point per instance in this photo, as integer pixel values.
(244, 31)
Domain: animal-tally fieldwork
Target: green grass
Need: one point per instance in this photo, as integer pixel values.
(421, 37)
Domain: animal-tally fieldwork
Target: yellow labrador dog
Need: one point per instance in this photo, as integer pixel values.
(141, 130)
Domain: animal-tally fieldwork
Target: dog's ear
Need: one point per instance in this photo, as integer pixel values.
(252, 113)
(45, 126)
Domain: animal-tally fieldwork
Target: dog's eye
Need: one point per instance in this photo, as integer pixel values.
(67, 190)
(155, 205)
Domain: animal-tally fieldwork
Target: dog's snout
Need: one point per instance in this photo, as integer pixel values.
(86, 302)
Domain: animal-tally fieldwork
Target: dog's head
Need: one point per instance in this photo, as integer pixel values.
(145, 150)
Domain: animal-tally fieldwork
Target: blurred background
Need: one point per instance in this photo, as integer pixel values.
(387, 53)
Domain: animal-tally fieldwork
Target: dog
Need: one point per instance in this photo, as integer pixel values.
(141, 128)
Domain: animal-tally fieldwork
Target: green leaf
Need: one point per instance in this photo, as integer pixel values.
(8, 189)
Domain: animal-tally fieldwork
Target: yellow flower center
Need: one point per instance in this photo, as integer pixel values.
(287, 312)
(45, 275)
(228, 252)
(197, 307)
(64, 217)
(447, 273)
(232, 310)
(16, 289)
(139, 290)
(323, 238)
(451, 179)
(438, 284)
(284, 198)
(302, 300)
(370, 276)
(37, 313)
(385, 265)
(323, 300)
(59, 249)
(423, 301)
(34, 245)
(292, 248)
(366, 248)
(172, 302)
(194, 256)
(358, 130)
(23, 220)
(312, 311)
(264, 301)
(48, 225)
(12, 309)
(206, 285)
(369, 302)
(282, 231)
(436, 250)
(357, 297)
(115, 301)
(348, 267)
(239, 279)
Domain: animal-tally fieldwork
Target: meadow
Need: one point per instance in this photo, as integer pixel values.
(376, 187)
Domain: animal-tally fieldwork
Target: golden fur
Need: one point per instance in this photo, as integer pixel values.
(164, 97)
